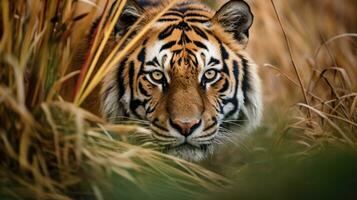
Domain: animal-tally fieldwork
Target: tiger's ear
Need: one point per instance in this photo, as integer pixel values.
(130, 14)
(235, 17)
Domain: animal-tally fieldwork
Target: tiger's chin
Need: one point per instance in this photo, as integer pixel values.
(191, 153)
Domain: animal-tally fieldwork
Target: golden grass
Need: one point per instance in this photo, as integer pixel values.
(312, 49)
(112, 61)
(50, 147)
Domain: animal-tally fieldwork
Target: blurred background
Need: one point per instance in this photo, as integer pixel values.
(322, 39)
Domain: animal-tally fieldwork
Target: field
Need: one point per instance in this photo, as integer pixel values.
(54, 145)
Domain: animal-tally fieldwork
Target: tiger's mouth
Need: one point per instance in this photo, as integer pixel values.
(186, 145)
(190, 152)
(194, 144)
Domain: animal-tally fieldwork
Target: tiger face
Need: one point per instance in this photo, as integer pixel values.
(189, 75)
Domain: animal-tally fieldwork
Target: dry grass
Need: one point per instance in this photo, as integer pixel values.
(318, 55)
(51, 148)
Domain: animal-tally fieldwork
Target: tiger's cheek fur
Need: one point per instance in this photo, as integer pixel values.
(218, 93)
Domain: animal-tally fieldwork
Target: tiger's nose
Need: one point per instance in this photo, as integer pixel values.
(185, 127)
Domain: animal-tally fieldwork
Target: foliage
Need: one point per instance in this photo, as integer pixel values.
(52, 148)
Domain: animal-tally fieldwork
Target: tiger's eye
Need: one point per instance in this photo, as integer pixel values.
(210, 74)
(157, 75)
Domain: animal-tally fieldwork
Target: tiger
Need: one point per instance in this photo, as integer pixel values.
(187, 76)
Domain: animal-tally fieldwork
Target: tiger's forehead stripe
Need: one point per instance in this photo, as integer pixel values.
(188, 12)
(182, 35)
